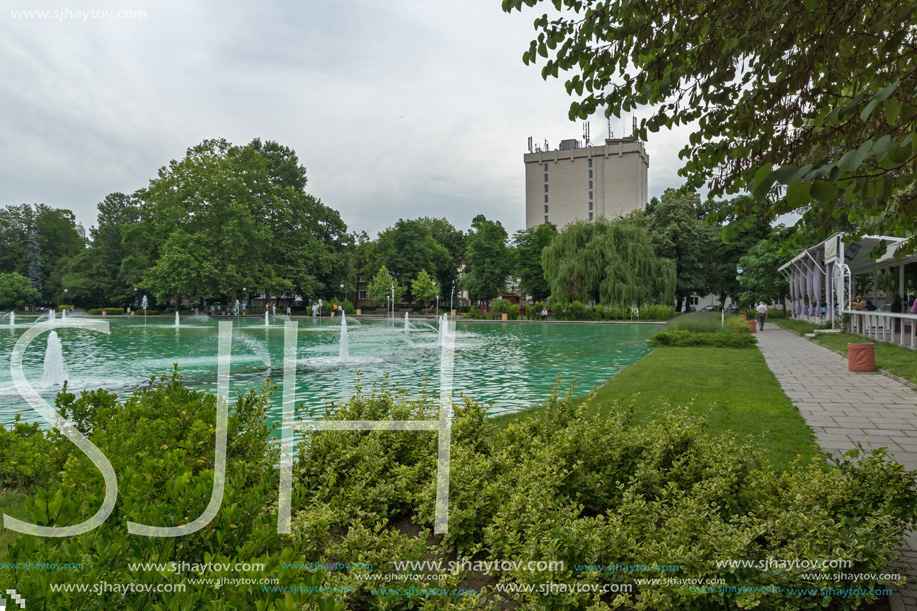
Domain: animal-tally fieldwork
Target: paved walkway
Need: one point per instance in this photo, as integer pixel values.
(844, 407)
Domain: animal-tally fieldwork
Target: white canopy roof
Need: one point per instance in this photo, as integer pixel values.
(860, 262)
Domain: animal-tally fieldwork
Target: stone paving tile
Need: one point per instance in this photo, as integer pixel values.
(843, 408)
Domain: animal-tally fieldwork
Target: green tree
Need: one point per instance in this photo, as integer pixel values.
(679, 234)
(424, 287)
(609, 262)
(528, 245)
(762, 263)
(110, 277)
(729, 253)
(453, 240)
(486, 258)
(16, 291)
(35, 264)
(382, 285)
(808, 105)
(407, 248)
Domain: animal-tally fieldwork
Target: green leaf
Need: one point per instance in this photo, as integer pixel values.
(868, 110)
(823, 191)
(887, 91)
(797, 195)
(891, 108)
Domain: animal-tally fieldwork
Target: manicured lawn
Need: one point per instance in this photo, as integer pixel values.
(897, 360)
(733, 389)
(13, 504)
(798, 326)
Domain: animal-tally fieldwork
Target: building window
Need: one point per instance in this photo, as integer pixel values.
(590, 163)
(590, 173)
(546, 178)
(545, 208)
(546, 188)
(590, 206)
(590, 184)
(545, 167)
(546, 218)
(364, 295)
(590, 216)
(590, 195)
(545, 198)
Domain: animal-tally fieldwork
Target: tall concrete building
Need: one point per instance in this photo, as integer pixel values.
(574, 182)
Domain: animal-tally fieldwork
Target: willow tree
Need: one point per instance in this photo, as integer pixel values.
(610, 262)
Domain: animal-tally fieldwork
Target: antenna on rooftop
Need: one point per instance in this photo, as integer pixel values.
(610, 135)
(530, 144)
(586, 132)
(634, 128)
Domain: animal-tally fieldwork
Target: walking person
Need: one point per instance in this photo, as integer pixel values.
(762, 315)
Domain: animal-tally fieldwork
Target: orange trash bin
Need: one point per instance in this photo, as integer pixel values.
(753, 324)
(861, 356)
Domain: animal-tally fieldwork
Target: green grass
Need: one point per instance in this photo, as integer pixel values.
(797, 326)
(732, 389)
(897, 360)
(13, 504)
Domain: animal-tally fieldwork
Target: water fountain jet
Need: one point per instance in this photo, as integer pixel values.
(54, 373)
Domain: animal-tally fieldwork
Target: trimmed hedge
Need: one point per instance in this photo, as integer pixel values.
(721, 339)
(108, 311)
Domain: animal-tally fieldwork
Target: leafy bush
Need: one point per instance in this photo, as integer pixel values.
(578, 311)
(708, 322)
(473, 312)
(587, 490)
(564, 485)
(721, 339)
(160, 442)
(348, 307)
(108, 311)
(503, 306)
(61, 308)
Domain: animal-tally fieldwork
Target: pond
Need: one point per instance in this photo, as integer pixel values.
(509, 365)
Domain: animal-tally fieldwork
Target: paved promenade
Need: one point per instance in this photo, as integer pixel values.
(844, 407)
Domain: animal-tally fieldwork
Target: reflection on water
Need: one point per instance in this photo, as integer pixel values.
(509, 365)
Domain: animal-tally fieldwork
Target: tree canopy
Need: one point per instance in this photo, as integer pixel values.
(528, 244)
(609, 262)
(810, 106)
(16, 291)
(486, 258)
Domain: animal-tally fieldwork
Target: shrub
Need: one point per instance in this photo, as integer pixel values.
(160, 442)
(503, 306)
(348, 307)
(61, 308)
(571, 486)
(721, 339)
(108, 311)
(473, 312)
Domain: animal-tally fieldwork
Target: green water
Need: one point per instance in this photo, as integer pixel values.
(508, 365)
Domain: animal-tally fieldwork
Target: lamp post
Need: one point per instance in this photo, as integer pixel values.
(739, 269)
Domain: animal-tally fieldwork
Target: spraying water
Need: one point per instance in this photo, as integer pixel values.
(12, 319)
(54, 373)
(52, 315)
(267, 319)
(177, 323)
(63, 314)
(259, 348)
(407, 323)
(345, 343)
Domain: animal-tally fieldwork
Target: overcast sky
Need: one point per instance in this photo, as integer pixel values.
(397, 108)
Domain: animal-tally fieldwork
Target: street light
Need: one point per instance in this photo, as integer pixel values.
(748, 287)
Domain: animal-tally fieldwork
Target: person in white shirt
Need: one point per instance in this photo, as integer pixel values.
(762, 315)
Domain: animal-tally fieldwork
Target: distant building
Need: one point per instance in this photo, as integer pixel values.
(574, 182)
(80, 230)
